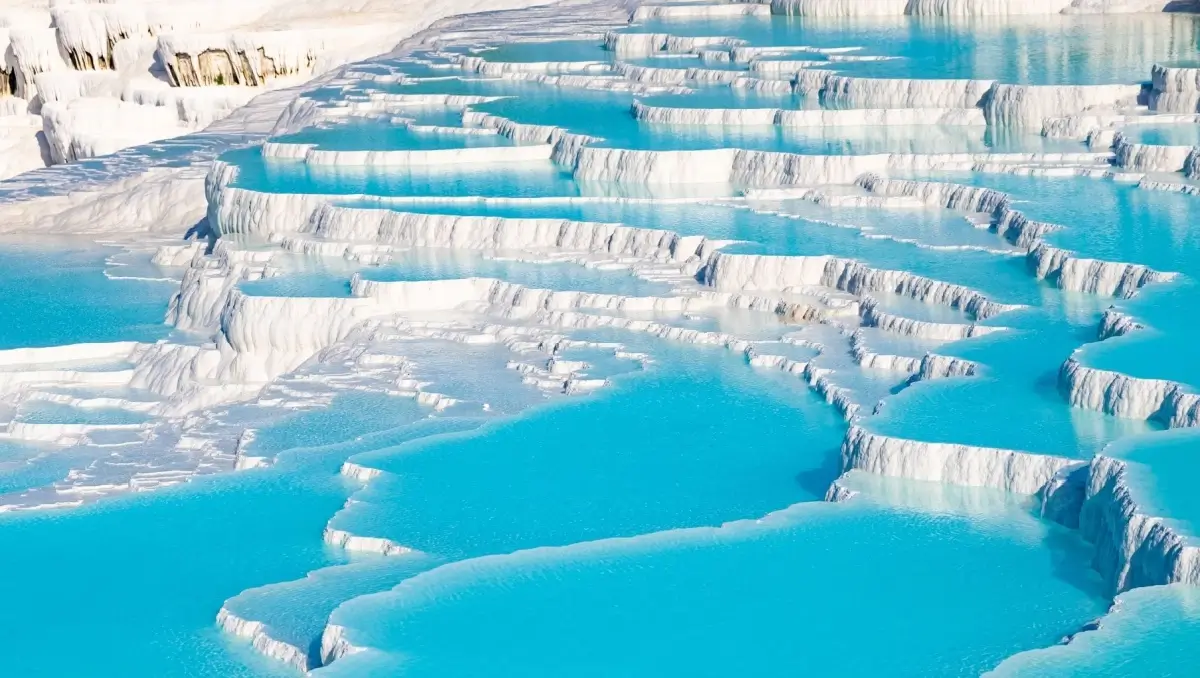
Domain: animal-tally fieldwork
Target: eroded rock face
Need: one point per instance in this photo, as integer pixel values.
(8, 82)
(210, 67)
(202, 61)
(1175, 89)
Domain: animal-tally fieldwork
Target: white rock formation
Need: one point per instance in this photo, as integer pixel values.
(404, 229)
(873, 316)
(649, 75)
(944, 8)
(767, 168)
(1175, 89)
(840, 8)
(841, 91)
(730, 272)
(32, 51)
(961, 8)
(1132, 549)
(334, 644)
(360, 233)
(1155, 158)
(260, 639)
(856, 117)
(355, 543)
(686, 11)
(1030, 106)
(90, 127)
(1114, 323)
(1106, 278)
(629, 45)
(107, 51)
(935, 366)
(1010, 470)
(444, 156)
(481, 66)
(1060, 266)
(1124, 396)
(937, 194)
(250, 59)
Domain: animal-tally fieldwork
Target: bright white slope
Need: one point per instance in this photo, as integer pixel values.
(91, 79)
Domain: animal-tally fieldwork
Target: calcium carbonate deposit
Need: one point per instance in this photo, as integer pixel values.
(600, 338)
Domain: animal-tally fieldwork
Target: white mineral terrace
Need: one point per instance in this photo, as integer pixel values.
(228, 85)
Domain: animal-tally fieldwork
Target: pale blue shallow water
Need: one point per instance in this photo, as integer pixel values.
(607, 116)
(332, 279)
(1162, 351)
(475, 515)
(457, 82)
(540, 99)
(183, 551)
(1152, 633)
(1019, 384)
(558, 50)
(683, 61)
(563, 474)
(1036, 50)
(1118, 222)
(1109, 220)
(819, 588)
(385, 135)
(758, 230)
(1164, 135)
(579, 478)
(838, 232)
(24, 466)
(317, 281)
(716, 96)
(1020, 379)
(53, 413)
(59, 295)
(298, 610)
(1161, 471)
(533, 179)
(438, 264)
